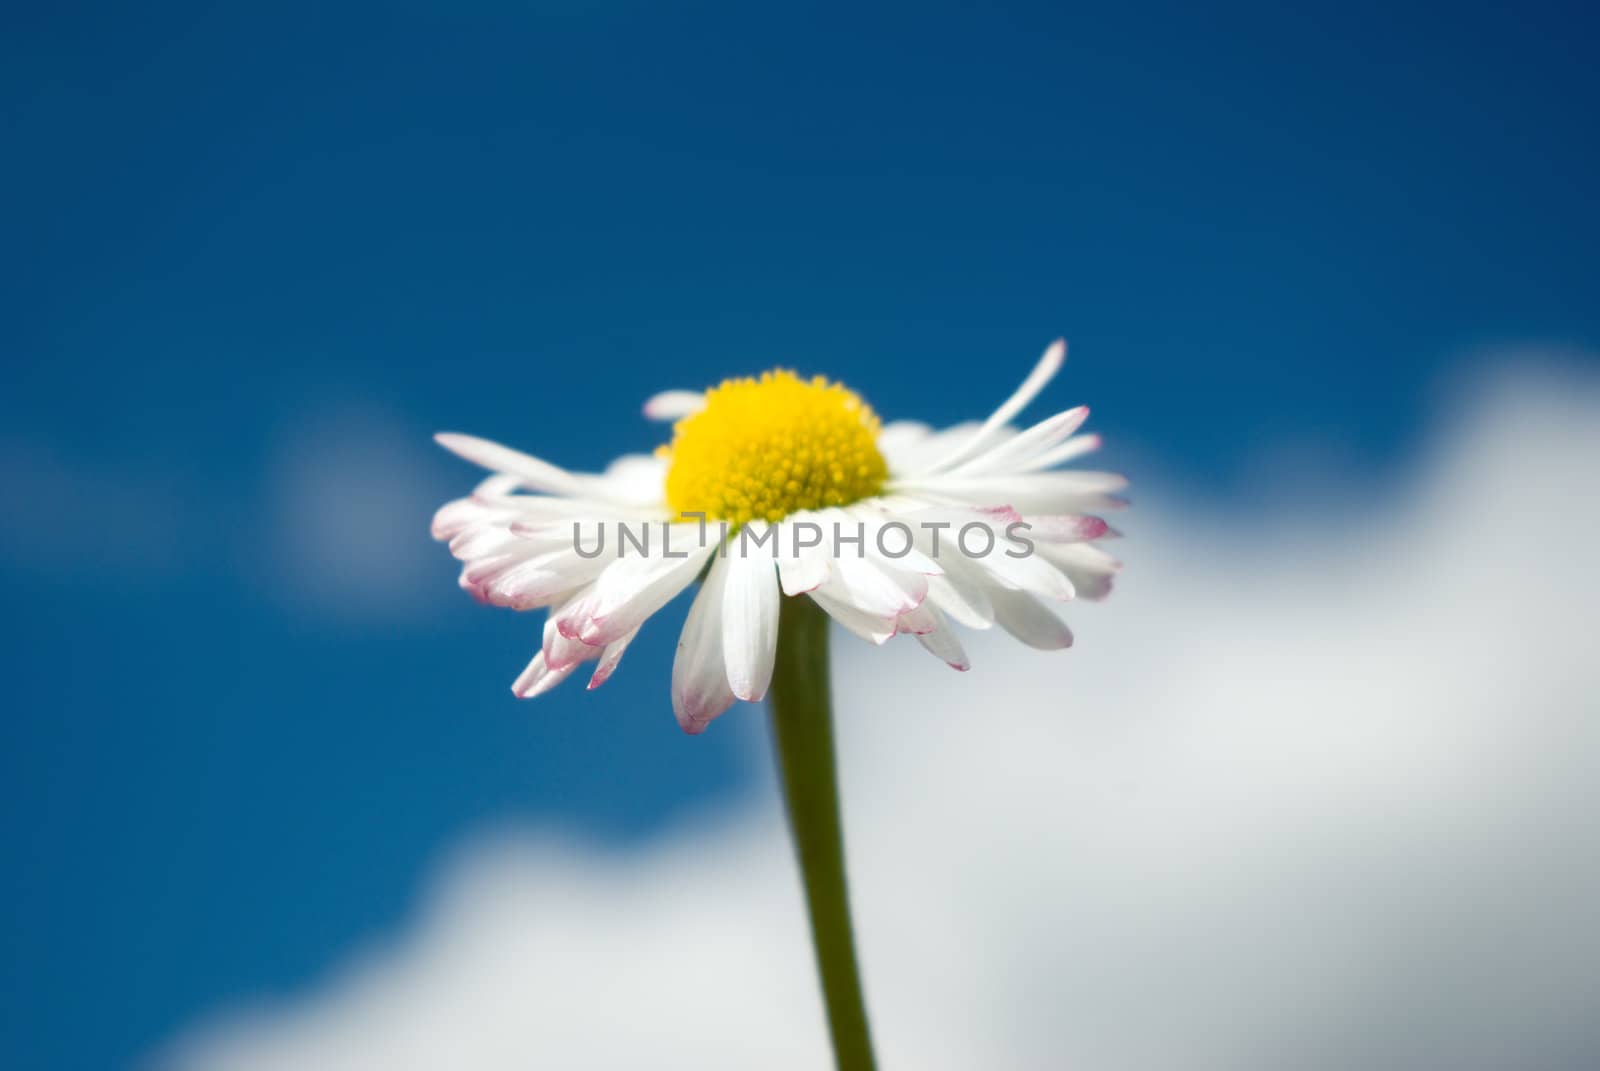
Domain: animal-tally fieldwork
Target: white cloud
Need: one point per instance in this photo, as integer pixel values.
(1316, 792)
(349, 500)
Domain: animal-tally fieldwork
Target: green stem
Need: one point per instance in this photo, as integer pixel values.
(802, 733)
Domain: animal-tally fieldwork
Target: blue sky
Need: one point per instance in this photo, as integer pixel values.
(258, 257)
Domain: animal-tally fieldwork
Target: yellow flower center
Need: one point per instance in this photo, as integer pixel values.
(765, 448)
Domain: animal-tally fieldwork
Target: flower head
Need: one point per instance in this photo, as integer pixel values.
(782, 487)
(763, 449)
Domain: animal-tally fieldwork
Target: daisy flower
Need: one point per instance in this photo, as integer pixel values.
(781, 487)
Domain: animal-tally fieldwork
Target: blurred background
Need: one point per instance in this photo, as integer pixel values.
(1315, 788)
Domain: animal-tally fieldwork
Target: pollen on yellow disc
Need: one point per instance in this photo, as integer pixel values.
(768, 447)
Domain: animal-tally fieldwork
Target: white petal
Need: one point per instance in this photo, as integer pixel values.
(674, 404)
(1083, 481)
(802, 568)
(902, 542)
(750, 622)
(1090, 569)
(640, 479)
(1013, 454)
(917, 622)
(596, 539)
(536, 536)
(1064, 528)
(482, 570)
(455, 517)
(961, 590)
(800, 575)
(560, 650)
(609, 659)
(873, 629)
(1043, 372)
(538, 678)
(1032, 573)
(529, 587)
(1049, 364)
(902, 443)
(860, 583)
(531, 582)
(532, 472)
(926, 454)
(483, 540)
(699, 676)
(1073, 448)
(1029, 620)
(495, 485)
(631, 590)
(965, 601)
(1036, 492)
(940, 639)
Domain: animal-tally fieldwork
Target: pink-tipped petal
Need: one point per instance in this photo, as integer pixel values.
(700, 689)
(477, 592)
(941, 642)
(1067, 528)
(454, 517)
(918, 622)
(609, 658)
(562, 653)
(629, 591)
